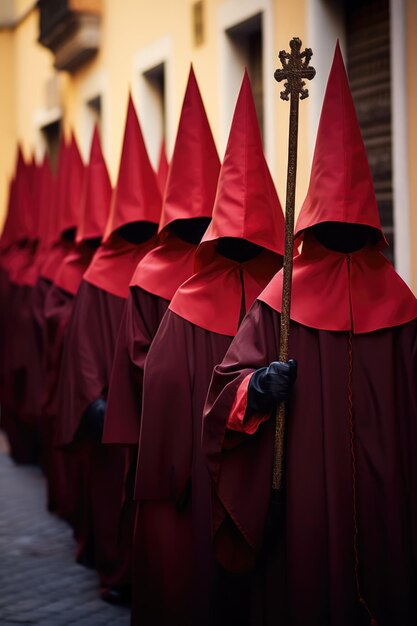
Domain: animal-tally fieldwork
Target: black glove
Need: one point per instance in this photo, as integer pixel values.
(271, 385)
(94, 418)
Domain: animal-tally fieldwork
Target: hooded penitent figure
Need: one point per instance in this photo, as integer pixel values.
(18, 260)
(346, 554)
(31, 357)
(56, 240)
(12, 241)
(90, 220)
(238, 255)
(187, 208)
(89, 350)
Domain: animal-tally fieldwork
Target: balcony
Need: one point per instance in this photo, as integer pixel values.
(71, 30)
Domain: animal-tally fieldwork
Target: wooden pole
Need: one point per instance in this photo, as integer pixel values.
(295, 69)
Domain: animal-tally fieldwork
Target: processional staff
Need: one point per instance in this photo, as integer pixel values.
(295, 69)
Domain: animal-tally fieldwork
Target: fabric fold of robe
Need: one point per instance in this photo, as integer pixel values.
(84, 377)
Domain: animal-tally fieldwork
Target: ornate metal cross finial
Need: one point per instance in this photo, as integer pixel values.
(295, 69)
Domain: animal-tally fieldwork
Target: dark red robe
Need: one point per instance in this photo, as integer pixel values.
(36, 357)
(89, 350)
(140, 321)
(154, 282)
(62, 475)
(17, 343)
(171, 469)
(57, 312)
(86, 364)
(172, 537)
(319, 577)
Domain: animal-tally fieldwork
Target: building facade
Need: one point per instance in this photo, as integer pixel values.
(67, 64)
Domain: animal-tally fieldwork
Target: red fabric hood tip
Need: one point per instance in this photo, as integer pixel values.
(96, 195)
(246, 207)
(163, 166)
(24, 213)
(33, 186)
(114, 262)
(341, 188)
(35, 253)
(8, 236)
(136, 197)
(24, 207)
(41, 198)
(194, 169)
(59, 191)
(45, 194)
(71, 187)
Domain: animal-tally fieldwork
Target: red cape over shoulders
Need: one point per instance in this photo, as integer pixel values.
(323, 280)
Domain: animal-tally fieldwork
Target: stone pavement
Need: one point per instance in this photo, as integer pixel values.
(40, 583)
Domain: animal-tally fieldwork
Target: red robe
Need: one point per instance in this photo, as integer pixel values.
(86, 366)
(172, 482)
(174, 574)
(161, 271)
(85, 373)
(319, 572)
(17, 343)
(154, 282)
(140, 321)
(62, 483)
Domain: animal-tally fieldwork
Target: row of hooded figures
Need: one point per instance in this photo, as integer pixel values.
(139, 367)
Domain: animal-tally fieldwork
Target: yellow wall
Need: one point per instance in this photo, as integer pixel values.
(32, 65)
(7, 117)
(120, 43)
(412, 129)
(24, 66)
(124, 33)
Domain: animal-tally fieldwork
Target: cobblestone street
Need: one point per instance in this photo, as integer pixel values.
(40, 583)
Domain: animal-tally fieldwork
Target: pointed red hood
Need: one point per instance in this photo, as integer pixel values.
(36, 176)
(192, 177)
(71, 186)
(96, 197)
(45, 196)
(8, 235)
(341, 188)
(136, 197)
(358, 292)
(163, 167)
(246, 204)
(58, 191)
(246, 207)
(25, 220)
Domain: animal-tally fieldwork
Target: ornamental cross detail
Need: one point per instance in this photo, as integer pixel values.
(295, 69)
